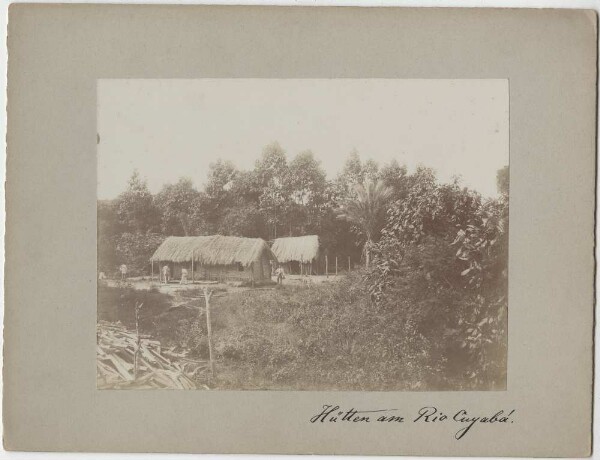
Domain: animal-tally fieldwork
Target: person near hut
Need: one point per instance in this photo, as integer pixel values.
(279, 274)
(123, 270)
(184, 276)
(166, 274)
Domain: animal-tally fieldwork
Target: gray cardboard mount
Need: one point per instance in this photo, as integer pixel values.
(56, 55)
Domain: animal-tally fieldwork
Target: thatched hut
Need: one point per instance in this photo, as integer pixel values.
(299, 254)
(216, 257)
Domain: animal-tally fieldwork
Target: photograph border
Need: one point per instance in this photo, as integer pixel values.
(50, 401)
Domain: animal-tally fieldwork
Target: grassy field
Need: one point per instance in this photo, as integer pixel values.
(327, 336)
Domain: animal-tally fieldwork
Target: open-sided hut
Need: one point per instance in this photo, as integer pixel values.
(216, 257)
(298, 254)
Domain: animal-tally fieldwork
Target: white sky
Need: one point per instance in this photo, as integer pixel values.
(172, 128)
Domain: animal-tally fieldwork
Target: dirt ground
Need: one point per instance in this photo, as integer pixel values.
(143, 283)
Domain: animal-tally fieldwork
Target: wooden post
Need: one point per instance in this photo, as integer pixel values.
(152, 276)
(207, 295)
(192, 266)
(348, 263)
(138, 341)
(326, 267)
(336, 270)
(252, 268)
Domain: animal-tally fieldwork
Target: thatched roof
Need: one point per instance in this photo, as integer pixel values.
(212, 250)
(296, 248)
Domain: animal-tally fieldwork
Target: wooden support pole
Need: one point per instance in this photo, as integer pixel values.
(192, 266)
(207, 295)
(138, 341)
(336, 269)
(326, 267)
(348, 263)
(152, 276)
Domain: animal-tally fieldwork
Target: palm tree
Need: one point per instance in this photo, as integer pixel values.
(366, 210)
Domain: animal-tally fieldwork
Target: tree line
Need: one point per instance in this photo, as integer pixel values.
(274, 199)
(434, 288)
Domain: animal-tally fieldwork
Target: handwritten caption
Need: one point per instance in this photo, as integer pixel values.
(426, 415)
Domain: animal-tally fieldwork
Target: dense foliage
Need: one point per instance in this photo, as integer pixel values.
(320, 337)
(276, 198)
(327, 336)
(428, 312)
(444, 255)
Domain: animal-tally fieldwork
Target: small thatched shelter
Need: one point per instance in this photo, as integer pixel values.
(216, 257)
(298, 254)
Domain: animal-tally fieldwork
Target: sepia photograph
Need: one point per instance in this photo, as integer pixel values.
(344, 230)
(302, 234)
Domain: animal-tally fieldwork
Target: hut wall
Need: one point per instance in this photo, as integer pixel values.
(260, 270)
(175, 268)
(316, 265)
(267, 268)
(222, 273)
(208, 272)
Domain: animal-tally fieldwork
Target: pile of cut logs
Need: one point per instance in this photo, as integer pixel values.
(126, 360)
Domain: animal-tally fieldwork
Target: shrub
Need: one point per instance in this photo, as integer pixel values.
(326, 336)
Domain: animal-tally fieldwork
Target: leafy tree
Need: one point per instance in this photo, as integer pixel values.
(444, 249)
(275, 203)
(502, 180)
(483, 243)
(395, 176)
(307, 184)
(306, 179)
(350, 176)
(221, 175)
(429, 208)
(245, 220)
(367, 212)
(135, 250)
(175, 201)
(272, 165)
(482, 247)
(217, 197)
(246, 188)
(135, 208)
(272, 173)
(429, 213)
(352, 169)
(108, 229)
(203, 217)
(370, 171)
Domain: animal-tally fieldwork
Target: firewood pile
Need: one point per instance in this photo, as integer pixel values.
(156, 368)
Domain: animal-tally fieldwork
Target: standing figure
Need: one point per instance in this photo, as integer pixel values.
(184, 276)
(123, 270)
(280, 275)
(166, 272)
